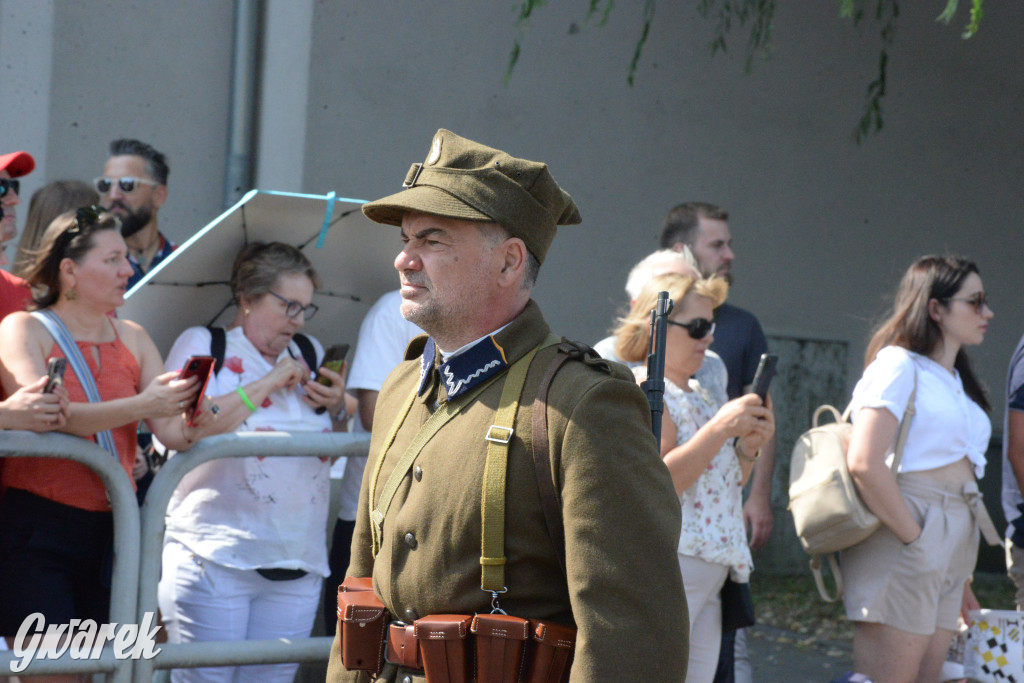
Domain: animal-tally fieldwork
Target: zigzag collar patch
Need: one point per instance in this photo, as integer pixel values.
(463, 372)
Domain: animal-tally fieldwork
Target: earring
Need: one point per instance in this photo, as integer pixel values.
(71, 294)
(247, 311)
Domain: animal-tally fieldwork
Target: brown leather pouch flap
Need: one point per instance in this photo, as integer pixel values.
(354, 584)
(403, 648)
(500, 647)
(553, 635)
(360, 607)
(442, 627)
(500, 626)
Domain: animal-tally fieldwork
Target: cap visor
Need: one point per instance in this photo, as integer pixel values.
(421, 199)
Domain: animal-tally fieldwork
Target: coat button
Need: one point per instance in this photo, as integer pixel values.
(410, 540)
(411, 616)
(418, 473)
(406, 679)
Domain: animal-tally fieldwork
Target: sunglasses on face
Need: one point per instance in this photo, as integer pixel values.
(978, 301)
(126, 184)
(6, 185)
(698, 328)
(294, 308)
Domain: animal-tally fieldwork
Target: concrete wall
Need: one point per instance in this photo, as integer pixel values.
(351, 94)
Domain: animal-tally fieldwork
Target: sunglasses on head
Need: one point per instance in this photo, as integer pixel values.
(126, 184)
(7, 184)
(978, 301)
(698, 328)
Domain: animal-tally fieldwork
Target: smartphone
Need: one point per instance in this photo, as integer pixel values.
(334, 358)
(765, 373)
(55, 368)
(202, 367)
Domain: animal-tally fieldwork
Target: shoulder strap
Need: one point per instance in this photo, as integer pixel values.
(218, 346)
(908, 415)
(306, 349)
(549, 502)
(55, 326)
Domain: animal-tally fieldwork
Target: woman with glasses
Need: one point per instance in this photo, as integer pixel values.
(56, 527)
(246, 549)
(709, 445)
(907, 583)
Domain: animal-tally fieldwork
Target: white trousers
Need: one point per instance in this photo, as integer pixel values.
(205, 601)
(703, 582)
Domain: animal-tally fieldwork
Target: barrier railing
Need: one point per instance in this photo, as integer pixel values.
(138, 543)
(263, 444)
(125, 574)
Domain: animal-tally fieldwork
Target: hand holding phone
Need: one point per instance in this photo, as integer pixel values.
(765, 373)
(202, 367)
(55, 368)
(334, 359)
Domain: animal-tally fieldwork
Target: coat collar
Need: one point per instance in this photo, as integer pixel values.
(488, 357)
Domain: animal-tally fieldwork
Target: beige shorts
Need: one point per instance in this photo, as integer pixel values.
(917, 587)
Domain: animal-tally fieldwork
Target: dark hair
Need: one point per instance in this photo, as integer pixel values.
(495, 233)
(911, 327)
(47, 203)
(156, 163)
(682, 221)
(258, 265)
(67, 236)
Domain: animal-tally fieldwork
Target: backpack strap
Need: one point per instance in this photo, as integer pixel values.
(218, 345)
(819, 580)
(306, 349)
(549, 502)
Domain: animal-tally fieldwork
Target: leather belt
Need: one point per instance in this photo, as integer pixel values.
(403, 649)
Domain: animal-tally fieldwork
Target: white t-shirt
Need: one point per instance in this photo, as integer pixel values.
(947, 425)
(251, 513)
(383, 336)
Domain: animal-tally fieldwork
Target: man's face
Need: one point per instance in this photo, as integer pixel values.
(135, 208)
(713, 248)
(448, 270)
(9, 224)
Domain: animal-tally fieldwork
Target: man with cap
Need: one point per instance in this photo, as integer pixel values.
(29, 407)
(476, 224)
(14, 292)
(133, 187)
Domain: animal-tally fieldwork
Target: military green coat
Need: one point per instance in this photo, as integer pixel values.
(622, 587)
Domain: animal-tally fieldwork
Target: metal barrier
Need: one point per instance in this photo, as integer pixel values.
(263, 444)
(138, 547)
(125, 576)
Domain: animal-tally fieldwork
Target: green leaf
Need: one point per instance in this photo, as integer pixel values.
(948, 13)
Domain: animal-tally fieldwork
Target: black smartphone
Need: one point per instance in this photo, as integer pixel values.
(765, 373)
(202, 367)
(55, 368)
(334, 358)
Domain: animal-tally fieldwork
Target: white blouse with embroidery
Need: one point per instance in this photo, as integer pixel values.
(713, 506)
(250, 513)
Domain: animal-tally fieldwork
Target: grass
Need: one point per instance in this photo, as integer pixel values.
(792, 603)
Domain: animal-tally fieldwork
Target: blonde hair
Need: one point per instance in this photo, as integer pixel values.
(634, 328)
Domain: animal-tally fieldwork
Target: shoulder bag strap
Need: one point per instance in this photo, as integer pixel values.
(908, 415)
(55, 326)
(218, 347)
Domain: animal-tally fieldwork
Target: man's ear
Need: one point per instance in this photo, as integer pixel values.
(513, 261)
(159, 196)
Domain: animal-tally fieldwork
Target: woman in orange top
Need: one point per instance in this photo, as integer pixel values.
(55, 520)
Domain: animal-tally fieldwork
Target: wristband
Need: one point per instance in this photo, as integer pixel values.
(342, 414)
(744, 456)
(245, 399)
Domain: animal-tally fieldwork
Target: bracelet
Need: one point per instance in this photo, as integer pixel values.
(342, 414)
(245, 399)
(744, 456)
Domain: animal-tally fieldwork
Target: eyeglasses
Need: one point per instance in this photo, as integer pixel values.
(698, 328)
(127, 184)
(6, 184)
(294, 308)
(979, 301)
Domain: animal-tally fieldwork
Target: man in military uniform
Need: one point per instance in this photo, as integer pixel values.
(476, 223)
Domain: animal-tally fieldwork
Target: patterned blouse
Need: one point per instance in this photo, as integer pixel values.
(713, 506)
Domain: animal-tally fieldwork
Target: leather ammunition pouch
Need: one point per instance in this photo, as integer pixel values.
(361, 621)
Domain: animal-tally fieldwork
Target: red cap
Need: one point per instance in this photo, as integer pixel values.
(17, 163)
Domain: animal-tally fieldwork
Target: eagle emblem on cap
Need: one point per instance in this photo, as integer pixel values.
(435, 151)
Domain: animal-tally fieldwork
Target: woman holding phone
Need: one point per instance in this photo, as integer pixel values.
(246, 551)
(906, 584)
(56, 528)
(709, 444)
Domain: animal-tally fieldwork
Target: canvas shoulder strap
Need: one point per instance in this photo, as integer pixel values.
(60, 333)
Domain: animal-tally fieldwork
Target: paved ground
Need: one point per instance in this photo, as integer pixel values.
(780, 656)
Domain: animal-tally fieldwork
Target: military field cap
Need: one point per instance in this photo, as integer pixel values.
(17, 163)
(465, 180)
